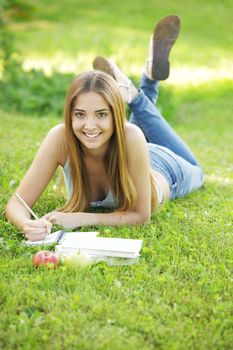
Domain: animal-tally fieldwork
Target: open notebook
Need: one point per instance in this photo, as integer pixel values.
(88, 243)
(62, 236)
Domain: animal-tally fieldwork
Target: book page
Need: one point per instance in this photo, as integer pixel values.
(103, 244)
(67, 237)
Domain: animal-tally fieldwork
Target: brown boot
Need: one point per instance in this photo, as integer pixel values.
(127, 89)
(164, 37)
(102, 64)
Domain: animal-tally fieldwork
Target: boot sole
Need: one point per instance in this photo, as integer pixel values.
(100, 63)
(165, 35)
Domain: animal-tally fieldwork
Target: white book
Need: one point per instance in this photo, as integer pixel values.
(110, 260)
(58, 236)
(102, 246)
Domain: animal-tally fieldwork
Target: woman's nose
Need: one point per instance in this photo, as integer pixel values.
(90, 122)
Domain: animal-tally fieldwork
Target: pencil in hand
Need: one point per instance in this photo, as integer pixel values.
(26, 206)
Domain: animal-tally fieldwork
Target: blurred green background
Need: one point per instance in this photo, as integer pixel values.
(179, 296)
(74, 31)
(59, 39)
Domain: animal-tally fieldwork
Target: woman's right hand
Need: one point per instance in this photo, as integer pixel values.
(36, 230)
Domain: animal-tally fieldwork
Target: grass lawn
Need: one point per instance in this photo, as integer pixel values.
(179, 296)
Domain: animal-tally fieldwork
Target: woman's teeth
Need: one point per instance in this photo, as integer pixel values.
(91, 135)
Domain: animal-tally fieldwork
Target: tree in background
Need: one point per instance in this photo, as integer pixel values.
(25, 92)
(11, 10)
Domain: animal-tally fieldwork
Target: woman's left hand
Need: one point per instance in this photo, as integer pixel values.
(67, 220)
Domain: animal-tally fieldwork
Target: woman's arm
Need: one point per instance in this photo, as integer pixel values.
(73, 220)
(139, 170)
(44, 165)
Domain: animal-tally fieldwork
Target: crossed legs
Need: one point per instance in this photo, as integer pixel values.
(145, 114)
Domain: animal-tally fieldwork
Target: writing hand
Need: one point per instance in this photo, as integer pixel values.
(36, 230)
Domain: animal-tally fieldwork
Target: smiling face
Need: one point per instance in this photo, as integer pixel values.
(92, 122)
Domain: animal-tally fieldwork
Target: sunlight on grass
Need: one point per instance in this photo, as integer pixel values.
(180, 75)
(186, 74)
(216, 178)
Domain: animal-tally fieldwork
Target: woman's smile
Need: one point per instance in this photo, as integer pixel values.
(92, 122)
(92, 135)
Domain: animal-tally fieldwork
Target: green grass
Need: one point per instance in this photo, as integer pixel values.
(179, 296)
(79, 30)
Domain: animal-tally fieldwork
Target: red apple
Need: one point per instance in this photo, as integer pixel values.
(45, 257)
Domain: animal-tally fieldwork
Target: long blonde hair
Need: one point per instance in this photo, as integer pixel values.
(115, 159)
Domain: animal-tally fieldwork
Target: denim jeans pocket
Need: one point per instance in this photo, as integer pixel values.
(175, 163)
(173, 190)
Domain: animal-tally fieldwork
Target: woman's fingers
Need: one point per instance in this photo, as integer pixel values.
(49, 226)
(35, 223)
(51, 217)
(36, 230)
(35, 237)
(48, 216)
(53, 220)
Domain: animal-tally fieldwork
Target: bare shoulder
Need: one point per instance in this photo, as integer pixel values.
(57, 132)
(132, 130)
(134, 135)
(56, 140)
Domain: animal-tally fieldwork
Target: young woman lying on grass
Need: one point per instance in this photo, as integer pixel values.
(128, 167)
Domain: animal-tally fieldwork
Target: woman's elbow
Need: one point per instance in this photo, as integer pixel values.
(144, 218)
(10, 209)
(7, 211)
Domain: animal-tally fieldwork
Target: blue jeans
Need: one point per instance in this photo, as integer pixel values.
(168, 153)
